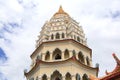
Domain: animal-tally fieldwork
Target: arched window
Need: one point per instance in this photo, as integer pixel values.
(78, 77)
(56, 75)
(81, 57)
(57, 78)
(44, 77)
(87, 60)
(57, 54)
(63, 35)
(47, 56)
(66, 54)
(57, 36)
(74, 53)
(78, 39)
(85, 77)
(52, 36)
(68, 76)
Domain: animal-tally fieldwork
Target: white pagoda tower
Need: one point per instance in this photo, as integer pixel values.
(61, 51)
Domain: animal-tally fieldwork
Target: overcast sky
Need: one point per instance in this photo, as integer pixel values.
(21, 22)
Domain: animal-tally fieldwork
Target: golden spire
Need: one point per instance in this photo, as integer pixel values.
(61, 10)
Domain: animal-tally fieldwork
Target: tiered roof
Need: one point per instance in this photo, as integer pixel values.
(73, 58)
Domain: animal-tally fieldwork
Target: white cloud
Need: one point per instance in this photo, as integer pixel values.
(101, 29)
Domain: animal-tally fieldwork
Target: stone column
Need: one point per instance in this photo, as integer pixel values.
(77, 56)
(39, 77)
(90, 62)
(54, 36)
(73, 77)
(63, 55)
(85, 60)
(43, 57)
(70, 53)
(64, 35)
(48, 78)
(60, 36)
(50, 56)
(63, 78)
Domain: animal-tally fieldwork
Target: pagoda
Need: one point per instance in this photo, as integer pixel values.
(61, 51)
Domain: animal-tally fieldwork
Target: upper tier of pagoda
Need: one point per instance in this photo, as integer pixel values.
(61, 26)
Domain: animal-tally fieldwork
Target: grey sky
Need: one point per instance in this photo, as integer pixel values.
(21, 22)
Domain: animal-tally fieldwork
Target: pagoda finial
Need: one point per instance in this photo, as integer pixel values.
(116, 58)
(60, 10)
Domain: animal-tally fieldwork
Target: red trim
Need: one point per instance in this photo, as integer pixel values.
(115, 73)
(112, 76)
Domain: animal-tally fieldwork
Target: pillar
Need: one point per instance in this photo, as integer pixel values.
(63, 78)
(70, 53)
(50, 56)
(43, 57)
(73, 77)
(48, 78)
(85, 60)
(77, 56)
(63, 55)
(60, 36)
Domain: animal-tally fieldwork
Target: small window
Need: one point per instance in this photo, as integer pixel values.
(57, 54)
(44, 77)
(47, 56)
(57, 78)
(78, 77)
(68, 76)
(63, 35)
(74, 53)
(57, 36)
(85, 77)
(52, 37)
(78, 39)
(88, 61)
(81, 57)
(57, 57)
(66, 54)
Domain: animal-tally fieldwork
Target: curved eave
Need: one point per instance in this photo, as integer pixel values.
(34, 53)
(38, 62)
(115, 72)
(111, 76)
